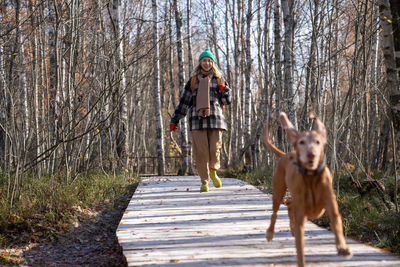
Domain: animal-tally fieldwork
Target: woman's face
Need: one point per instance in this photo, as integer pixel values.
(206, 63)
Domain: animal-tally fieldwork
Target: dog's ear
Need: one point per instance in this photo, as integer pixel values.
(319, 126)
(292, 133)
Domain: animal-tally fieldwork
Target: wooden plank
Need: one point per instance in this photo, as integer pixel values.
(169, 222)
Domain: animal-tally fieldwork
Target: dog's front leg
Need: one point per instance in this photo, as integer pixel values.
(279, 190)
(299, 222)
(336, 225)
(291, 215)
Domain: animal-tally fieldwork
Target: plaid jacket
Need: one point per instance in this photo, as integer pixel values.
(187, 101)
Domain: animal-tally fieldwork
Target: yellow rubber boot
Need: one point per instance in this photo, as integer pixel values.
(216, 181)
(204, 188)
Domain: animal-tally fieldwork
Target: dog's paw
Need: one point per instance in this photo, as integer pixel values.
(269, 235)
(344, 252)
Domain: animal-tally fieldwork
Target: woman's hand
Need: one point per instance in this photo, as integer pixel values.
(221, 87)
(173, 127)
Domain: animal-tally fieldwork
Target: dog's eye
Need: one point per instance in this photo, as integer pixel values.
(318, 142)
(301, 142)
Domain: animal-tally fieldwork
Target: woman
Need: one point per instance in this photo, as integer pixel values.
(204, 95)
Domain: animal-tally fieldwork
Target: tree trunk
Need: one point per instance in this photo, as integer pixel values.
(237, 21)
(171, 59)
(229, 80)
(189, 39)
(373, 146)
(122, 142)
(267, 65)
(3, 115)
(392, 79)
(247, 96)
(278, 68)
(183, 125)
(395, 11)
(52, 121)
(389, 35)
(157, 104)
(190, 63)
(310, 95)
(333, 84)
(288, 19)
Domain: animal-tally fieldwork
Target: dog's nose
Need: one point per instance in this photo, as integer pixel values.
(310, 155)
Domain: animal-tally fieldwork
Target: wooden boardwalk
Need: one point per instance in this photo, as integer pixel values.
(170, 223)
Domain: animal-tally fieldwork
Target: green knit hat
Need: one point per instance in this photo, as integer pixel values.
(207, 53)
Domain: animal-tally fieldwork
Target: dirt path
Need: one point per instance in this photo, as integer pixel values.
(92, 242)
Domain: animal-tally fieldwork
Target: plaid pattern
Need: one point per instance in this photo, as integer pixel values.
(216, 120)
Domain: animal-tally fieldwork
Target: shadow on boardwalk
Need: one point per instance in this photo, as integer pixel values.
(168, 222)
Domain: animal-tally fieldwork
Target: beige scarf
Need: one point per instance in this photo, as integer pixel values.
(203, 94)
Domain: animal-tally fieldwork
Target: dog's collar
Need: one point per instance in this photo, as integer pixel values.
(314, 172)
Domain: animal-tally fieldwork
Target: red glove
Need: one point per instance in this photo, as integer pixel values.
(173, 127)
(221, 87)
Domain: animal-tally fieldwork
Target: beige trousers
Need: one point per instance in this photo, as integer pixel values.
(206, 146)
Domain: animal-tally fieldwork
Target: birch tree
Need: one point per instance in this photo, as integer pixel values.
(288, 19)
(392, 78)
(52, 111)
(157, 102)
(122, 130)
(248, 80)
(237, 25)
(278, 66)
(374, 117)
(388, 47)
(310, 88)
(229, 80)
(181, 75)
(189, 33)
(190, 70)
(3, 115)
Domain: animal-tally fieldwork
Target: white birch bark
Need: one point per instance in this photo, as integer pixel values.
(137, 93)
(374, 115)
(3, 115)
(189, 38)
(288, 19)
(266, 74)
(387, 44)
(24, 91)
(311, 99)
(392, 81)
(237, 23)
(213, 24)
(157, 104)
(171, 59)
(52, 120)
(190, 63)
(278, 67)
(267, 62)
(123, 129)
(229, 80)
(247, 98)
(181, 76)
(68, 88)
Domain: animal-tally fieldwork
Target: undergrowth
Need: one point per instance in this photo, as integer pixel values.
(368, 214)
(259, 177)
(48, 206)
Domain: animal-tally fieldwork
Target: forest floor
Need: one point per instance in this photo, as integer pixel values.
(92, 242)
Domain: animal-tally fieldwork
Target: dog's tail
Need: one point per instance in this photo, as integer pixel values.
(270, 146)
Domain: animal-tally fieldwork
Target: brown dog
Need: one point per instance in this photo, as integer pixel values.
(304, 173)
